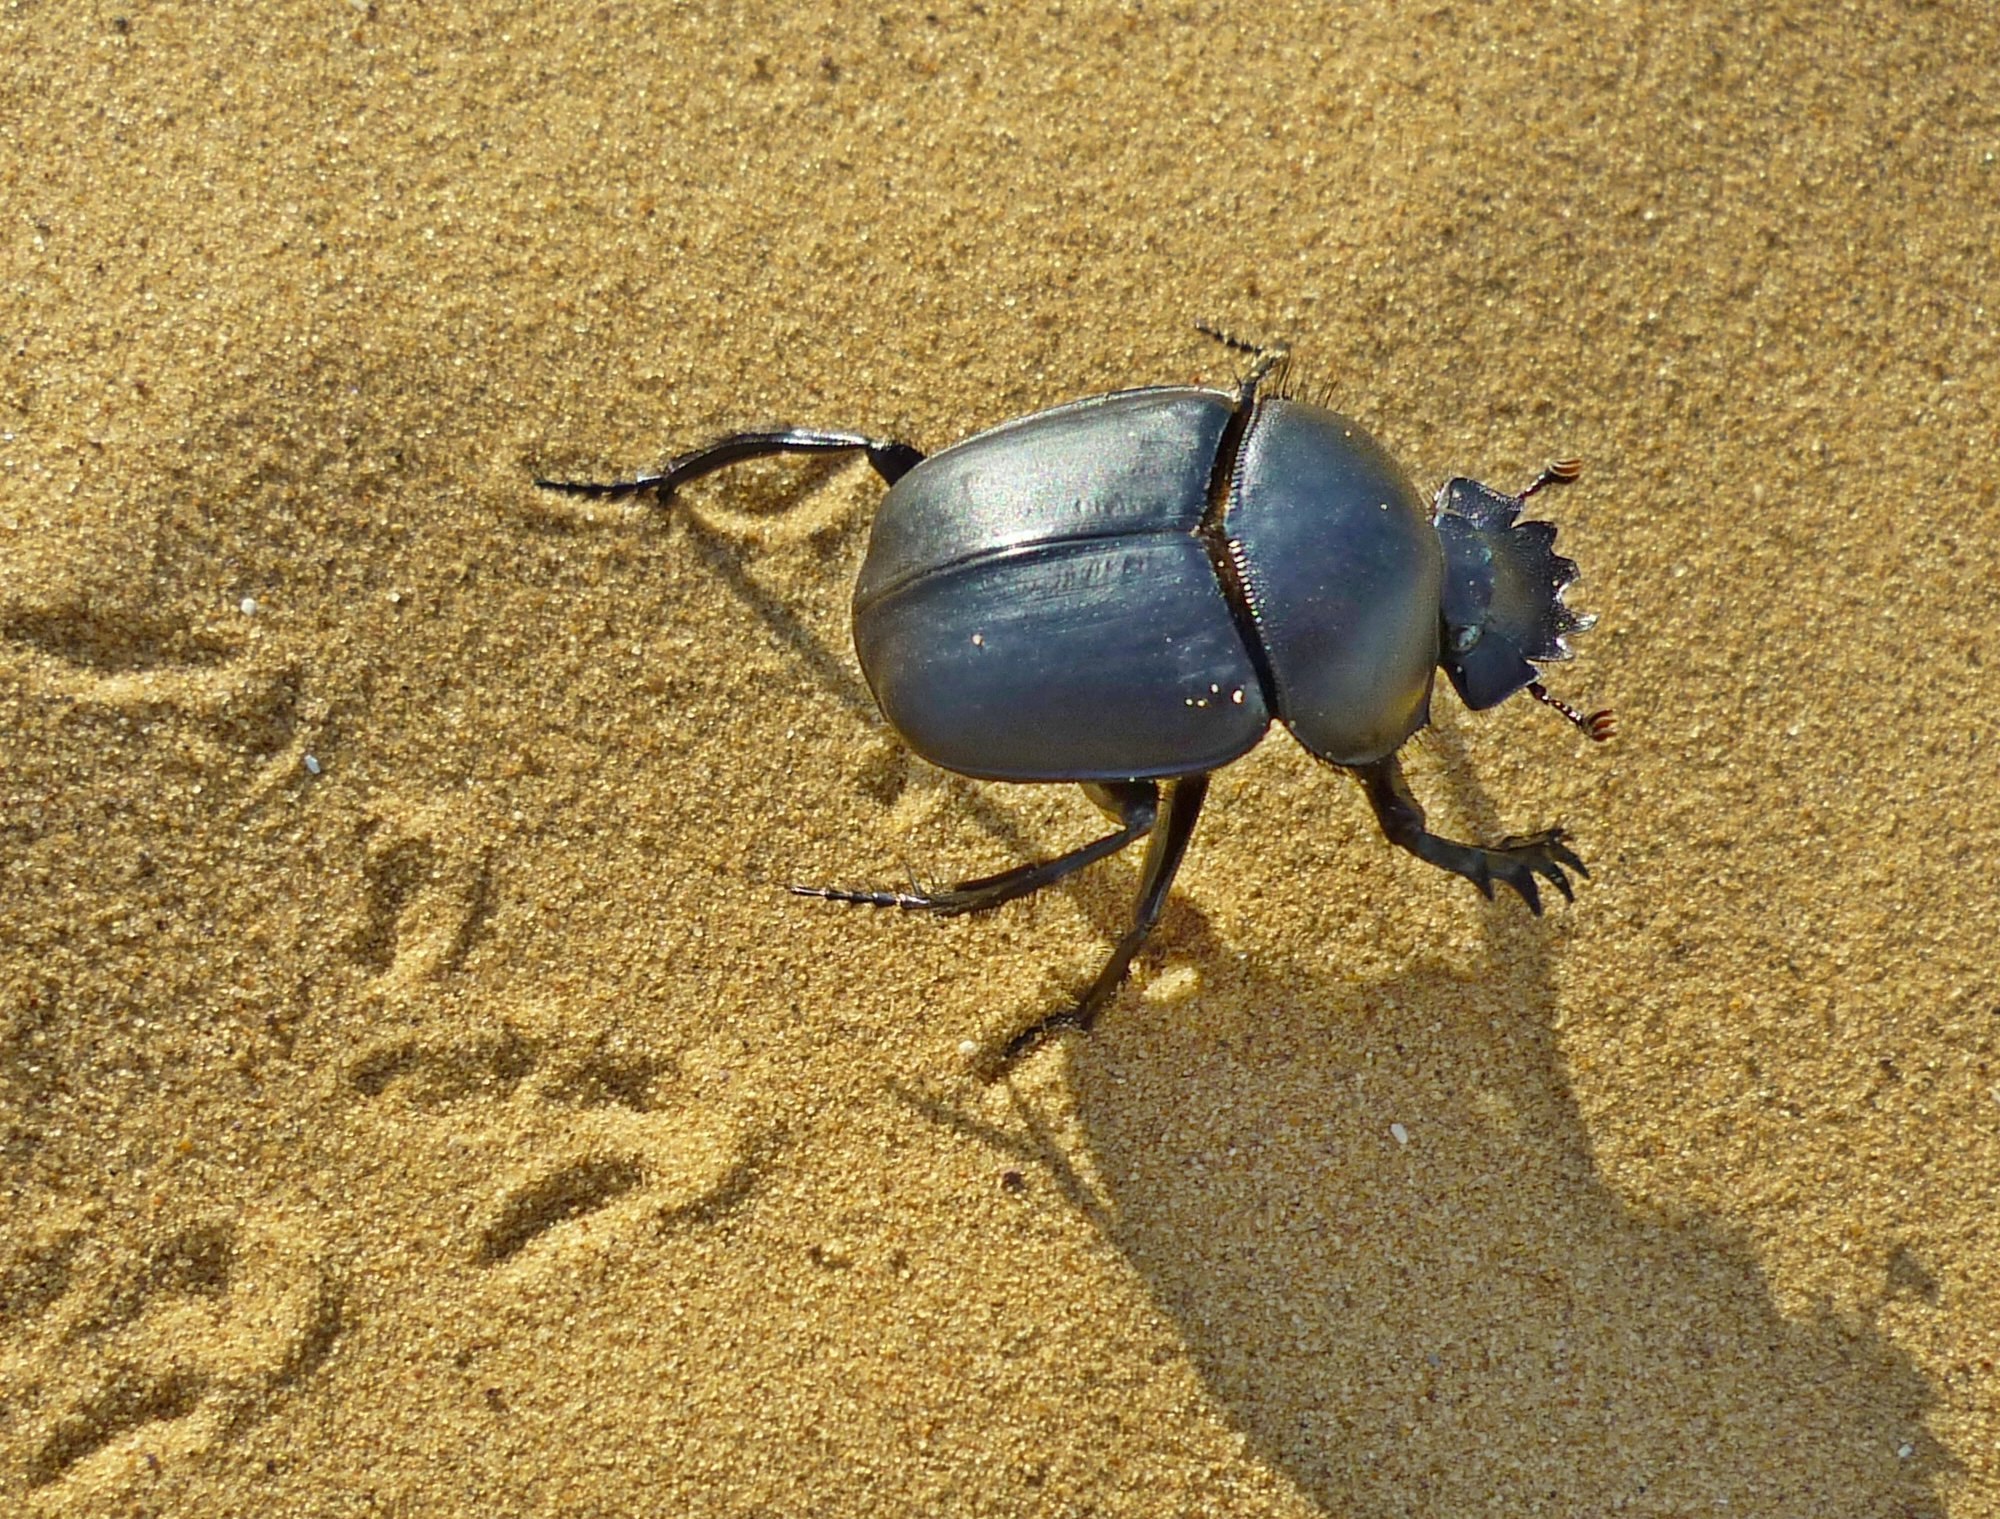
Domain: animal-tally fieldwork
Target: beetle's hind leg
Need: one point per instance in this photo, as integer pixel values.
(1135, 804)
(892, 460)
(1516, 861)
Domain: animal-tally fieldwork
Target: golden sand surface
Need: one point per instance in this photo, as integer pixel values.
(420, 1095)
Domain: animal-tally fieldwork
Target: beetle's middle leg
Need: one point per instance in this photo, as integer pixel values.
(892, 460)
(1264, 357)
(1164, 852)
(1135, 804)
(1516, 861)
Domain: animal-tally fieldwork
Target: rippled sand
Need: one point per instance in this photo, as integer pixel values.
(420, 1096)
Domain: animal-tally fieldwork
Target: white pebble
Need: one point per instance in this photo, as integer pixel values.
(249, 607)
(1402, 1135)
(312, 764)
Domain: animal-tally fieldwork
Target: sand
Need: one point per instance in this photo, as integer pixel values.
(420, 1095)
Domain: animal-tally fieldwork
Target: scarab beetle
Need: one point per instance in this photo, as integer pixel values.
(1126, 590)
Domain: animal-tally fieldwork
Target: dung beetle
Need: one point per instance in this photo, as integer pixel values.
(1127, 589)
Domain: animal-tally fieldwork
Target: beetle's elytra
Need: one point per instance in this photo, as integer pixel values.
(1126, 590)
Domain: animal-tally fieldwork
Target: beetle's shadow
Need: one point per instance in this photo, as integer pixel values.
(1470, 1316)
(1424, 1326)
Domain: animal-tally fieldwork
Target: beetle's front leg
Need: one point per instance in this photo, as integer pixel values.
(1516, 861)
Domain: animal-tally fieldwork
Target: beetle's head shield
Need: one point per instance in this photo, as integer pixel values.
(1502, 600)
